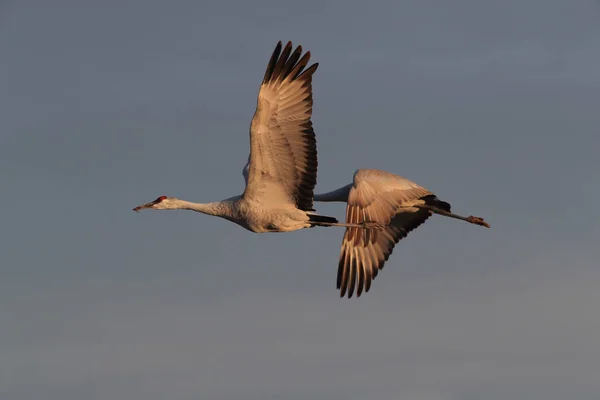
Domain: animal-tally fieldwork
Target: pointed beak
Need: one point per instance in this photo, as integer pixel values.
(147, 205)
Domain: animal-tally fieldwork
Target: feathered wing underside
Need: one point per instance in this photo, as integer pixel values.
(385, 198)
(283, 150)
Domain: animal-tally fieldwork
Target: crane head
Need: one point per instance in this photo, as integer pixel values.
(157, 204)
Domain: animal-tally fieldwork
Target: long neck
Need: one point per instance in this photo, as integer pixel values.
(217, 208)
(340, 194)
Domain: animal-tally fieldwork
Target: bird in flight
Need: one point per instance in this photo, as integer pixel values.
(389, 200)
(282, 166)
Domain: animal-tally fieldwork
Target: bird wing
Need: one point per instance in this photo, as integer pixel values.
(283, 149)
(384, 198)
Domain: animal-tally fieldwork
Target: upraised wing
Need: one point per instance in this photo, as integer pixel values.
(385, 198)
(283, 149)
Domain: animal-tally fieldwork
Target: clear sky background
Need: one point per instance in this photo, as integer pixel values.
(494, 106)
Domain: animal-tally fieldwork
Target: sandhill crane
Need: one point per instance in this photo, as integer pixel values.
(390, 200)
(282, 170)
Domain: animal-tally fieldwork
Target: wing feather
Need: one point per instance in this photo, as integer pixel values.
(283, 150)
(385, 198)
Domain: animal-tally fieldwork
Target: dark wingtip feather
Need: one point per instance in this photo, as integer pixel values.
(432, 200)
(284, 63)
(353, 267)
(272, 62)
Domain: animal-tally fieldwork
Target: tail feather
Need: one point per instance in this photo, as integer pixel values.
(315, 219)
(433, 201)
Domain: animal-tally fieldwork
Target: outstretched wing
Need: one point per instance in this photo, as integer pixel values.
(283, 149)
(385, 198)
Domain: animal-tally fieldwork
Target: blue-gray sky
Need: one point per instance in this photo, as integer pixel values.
(105, 105)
